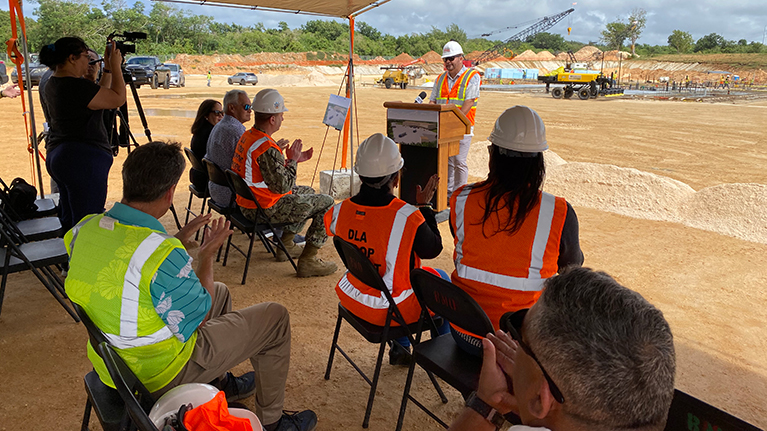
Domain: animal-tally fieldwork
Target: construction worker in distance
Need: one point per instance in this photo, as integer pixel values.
(509, 235)
(458, 85)
(271, 176)
(393, 234)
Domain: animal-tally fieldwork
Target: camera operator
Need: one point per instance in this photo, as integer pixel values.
(79, 153)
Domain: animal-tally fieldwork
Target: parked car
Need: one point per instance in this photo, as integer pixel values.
(243, 78)
(142, 70)
(177, 78)
(36, 71)
(3, 73)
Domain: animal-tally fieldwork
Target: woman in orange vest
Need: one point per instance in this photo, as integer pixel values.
(393, 234)
(509, 235)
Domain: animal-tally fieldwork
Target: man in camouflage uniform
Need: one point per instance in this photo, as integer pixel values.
(271, 176)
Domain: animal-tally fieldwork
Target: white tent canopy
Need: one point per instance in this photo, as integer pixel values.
(333, 8)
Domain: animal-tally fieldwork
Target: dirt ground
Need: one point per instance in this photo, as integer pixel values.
(709, 286)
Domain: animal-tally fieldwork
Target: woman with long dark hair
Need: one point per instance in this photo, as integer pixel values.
(79, 153)
(510, 236)
(209, 114)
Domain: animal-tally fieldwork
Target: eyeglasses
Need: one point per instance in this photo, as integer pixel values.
(512, 323)
(447, 59)
(219, 113)
(247, 107)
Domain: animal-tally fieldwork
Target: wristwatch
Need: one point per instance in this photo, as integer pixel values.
(490, 414)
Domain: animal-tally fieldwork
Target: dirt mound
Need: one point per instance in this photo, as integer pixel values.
(738, 210)
(432, 57)
(527, 55)
(615, 55)
(562, 56)
(402, 58)
(588, 53)
(545, 56)
(478, 159)
(472, 55)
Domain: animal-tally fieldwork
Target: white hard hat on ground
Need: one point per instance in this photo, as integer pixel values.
(378, 156)
(451, 49)
(196, 394)
(269, 101)
(520, 129)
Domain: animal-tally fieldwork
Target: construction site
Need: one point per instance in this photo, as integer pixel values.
(671, 197)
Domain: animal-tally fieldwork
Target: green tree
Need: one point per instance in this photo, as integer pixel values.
(681, 41)
(709, 42)
(548, 41)
(636, 24)
(615, 34)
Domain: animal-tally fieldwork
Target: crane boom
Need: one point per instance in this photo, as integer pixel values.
(539, 26)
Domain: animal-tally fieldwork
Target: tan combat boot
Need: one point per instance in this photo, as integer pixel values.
(294, 249)
(309, 265)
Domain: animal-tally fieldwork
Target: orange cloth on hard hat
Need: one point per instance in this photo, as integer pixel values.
(214, 416)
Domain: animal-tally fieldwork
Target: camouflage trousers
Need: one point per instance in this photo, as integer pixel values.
(296, 209)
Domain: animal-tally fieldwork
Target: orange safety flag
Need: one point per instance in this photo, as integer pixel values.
(214, 416)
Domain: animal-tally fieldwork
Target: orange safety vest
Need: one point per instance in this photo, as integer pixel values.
(251, 145)
(385, 235)
(504, 272)
(457, 93)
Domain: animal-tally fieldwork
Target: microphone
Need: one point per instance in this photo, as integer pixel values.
(421, 97)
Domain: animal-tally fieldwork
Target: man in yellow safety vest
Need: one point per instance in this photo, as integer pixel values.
(170, 323)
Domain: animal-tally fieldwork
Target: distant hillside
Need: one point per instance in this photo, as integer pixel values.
(742, 61)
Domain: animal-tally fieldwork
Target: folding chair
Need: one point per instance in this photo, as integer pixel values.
(40, 257)
(34, 229)
(197, 165)
(105, 401)
(359, 265)
(254, 229)
(138, 401)
(690, 413)
(441, 355)
(45, 207)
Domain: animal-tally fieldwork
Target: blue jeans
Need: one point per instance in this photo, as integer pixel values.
(442, 330)
(81, 172)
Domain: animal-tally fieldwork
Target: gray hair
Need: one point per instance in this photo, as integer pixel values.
(609, 350)
(151, 170)
(232, 98)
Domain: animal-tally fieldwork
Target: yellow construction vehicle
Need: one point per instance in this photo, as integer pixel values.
(578, 79)
(393, 76)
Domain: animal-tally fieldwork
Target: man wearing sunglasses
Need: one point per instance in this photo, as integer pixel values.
(589, 355)
(459, 86)
(223, 140)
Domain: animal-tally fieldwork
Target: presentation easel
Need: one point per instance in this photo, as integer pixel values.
(427, 135)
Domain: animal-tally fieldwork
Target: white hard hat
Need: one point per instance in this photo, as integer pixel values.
(269, 101)
(451, 48)
(520, 129)
(378, 156)
(191, 393)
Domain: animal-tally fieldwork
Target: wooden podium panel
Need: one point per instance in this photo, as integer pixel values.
(427, 136)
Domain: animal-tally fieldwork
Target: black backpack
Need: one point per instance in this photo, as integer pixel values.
(21, 199)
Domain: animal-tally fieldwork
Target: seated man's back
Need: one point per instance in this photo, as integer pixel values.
(223, 140)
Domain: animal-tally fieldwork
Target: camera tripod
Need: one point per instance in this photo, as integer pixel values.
(121, 136)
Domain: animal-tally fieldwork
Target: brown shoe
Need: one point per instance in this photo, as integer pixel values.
(293, 249)
(309, 265)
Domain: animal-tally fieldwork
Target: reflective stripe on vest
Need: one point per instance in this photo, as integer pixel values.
(457, 92)
(392, 252)
(533, 282)
(245, 163)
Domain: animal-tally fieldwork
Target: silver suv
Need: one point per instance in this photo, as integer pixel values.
(243, 78)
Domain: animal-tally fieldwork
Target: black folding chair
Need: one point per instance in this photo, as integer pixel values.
(43, 258)
(138, 401)
(203, 194)
(359, 266)
(34, 229)
(441, 355)
(254, 229)
(690, 413)
(105, 401)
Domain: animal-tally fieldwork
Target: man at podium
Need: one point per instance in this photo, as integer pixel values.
(459, 86)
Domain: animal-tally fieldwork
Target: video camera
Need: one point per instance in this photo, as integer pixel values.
(124, 41)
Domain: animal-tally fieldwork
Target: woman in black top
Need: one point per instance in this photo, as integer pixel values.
(209, 114)
(79, 154)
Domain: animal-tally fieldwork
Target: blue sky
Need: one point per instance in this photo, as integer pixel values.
(740, 19)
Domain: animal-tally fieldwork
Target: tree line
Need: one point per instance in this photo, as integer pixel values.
(172, 30)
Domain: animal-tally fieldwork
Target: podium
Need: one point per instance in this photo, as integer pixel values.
(427, 135)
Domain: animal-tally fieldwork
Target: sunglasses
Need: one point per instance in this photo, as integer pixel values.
(247, 107)
(512, 323)
(447, 59)
(218, 112)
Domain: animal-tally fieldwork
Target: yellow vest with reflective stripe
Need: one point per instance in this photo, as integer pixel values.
(111, 267)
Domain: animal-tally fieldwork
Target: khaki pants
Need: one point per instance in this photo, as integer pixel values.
(260, 333)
